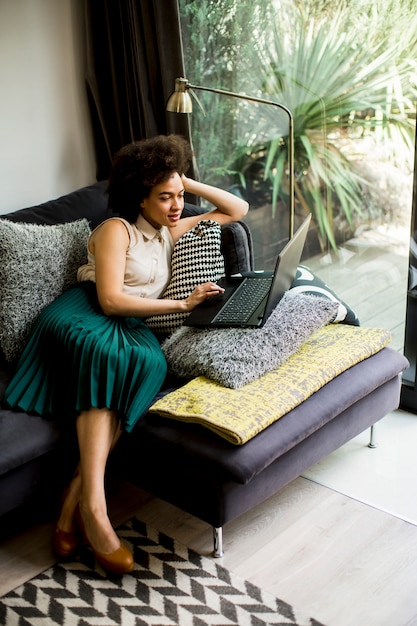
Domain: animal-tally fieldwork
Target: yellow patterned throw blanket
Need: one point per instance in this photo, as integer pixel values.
(240, 414)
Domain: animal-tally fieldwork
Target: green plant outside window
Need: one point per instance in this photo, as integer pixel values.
(348, 73)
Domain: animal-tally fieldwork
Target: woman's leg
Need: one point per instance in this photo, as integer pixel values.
(72, 494)
(98, 430)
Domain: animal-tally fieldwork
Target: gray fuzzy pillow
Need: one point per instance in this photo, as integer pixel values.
(234, 357)
(37, 263)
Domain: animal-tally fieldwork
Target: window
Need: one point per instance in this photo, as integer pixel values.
(348, 73)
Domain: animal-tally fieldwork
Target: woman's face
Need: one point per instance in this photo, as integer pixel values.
(164, 205)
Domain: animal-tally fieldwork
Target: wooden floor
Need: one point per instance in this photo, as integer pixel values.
(333, 558)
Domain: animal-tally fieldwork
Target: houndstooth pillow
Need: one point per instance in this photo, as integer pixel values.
(196, 259)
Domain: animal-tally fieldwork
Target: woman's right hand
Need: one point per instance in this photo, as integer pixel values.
(201, 293)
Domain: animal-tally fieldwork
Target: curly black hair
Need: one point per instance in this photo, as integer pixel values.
(141, 165)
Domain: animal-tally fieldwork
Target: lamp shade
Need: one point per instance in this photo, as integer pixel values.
(180, 100)
(179, 103)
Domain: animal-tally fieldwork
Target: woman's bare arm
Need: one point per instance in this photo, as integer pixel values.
(228, 207)
(109, 246)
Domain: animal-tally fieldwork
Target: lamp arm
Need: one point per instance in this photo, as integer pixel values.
(232, 94)
(242, 97)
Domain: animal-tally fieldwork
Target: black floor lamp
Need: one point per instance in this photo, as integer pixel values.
(180, 102)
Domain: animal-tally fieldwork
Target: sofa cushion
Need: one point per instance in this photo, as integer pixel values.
(197, 258)
(37, 263)
(235, 356)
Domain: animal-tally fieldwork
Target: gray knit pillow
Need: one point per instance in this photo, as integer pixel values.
(37, 263)
(235, 356)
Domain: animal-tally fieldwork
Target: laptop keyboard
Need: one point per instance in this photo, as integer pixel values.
(244, 302)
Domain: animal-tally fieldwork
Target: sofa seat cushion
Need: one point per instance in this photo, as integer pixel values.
(23, 437)
(193, 444)
(240, 414)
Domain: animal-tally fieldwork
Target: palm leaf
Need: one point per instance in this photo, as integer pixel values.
(328, 79)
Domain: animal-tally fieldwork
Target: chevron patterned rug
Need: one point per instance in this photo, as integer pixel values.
(170, 584)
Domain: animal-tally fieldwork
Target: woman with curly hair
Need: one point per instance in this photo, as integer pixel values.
(90, 350)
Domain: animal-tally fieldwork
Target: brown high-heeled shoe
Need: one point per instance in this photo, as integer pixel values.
(118, 562)
(65, 544)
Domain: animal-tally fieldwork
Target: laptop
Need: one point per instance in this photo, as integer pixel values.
(248, 301)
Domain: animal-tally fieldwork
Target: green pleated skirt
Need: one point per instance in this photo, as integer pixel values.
(77, 358)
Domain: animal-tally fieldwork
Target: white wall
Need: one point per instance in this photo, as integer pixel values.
(46, 147)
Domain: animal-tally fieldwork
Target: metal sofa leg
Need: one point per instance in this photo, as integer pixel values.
(372, 441)
(218, 542)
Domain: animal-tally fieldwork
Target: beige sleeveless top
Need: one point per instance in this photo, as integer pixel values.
(148, 259)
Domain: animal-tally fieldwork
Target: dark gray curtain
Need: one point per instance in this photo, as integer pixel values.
(134, 53)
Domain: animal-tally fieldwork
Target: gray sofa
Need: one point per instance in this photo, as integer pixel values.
(188, 465)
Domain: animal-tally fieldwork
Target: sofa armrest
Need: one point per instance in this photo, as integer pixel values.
(237, 248)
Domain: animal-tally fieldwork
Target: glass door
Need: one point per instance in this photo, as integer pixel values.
(347, 73)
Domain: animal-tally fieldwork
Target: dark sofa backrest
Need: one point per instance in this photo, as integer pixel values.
(88, 202)
(91, 203)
